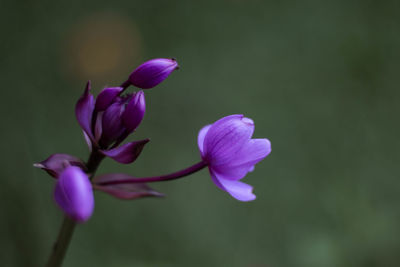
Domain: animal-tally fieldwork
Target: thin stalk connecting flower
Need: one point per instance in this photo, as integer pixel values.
(172, 176)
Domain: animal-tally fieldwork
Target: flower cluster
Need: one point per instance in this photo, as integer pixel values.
(226, 147)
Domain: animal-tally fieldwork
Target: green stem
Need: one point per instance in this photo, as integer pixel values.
(61, 245)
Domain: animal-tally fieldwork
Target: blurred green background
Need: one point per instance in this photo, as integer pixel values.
(319, 78)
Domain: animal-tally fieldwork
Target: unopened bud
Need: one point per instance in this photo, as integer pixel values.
(74, 194)
(152, 72)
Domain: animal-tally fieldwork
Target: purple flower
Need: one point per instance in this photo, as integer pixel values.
(74, 194)
(109, 119)
(152, 72)
(230, 153)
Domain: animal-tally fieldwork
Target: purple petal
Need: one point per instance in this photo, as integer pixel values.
(244, 160)
(200, 137)
(112, 126)
(134, 112)
(254, 151)
(84, 111)
(236, 189)
(56, 163)
(128, 191)
(74, 194)
(106, 97)
(226, 137)
(126, 153)
(152, 72)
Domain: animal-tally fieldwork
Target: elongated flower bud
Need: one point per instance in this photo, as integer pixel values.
(152, 72)
(74, 194)
(134, 112)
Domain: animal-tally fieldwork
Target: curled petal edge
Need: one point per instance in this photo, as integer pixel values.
(238, 190)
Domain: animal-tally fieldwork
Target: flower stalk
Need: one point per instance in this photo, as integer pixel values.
(175, 175)
(60, 246)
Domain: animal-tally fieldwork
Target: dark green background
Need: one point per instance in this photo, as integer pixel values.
(319, 78)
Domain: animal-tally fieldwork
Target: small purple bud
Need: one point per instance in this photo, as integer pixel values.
(74, 194)
(106, 97)
(152, 72)
(134, 112)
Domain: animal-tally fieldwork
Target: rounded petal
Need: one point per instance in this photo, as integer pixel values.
(236, 189)
(233, 173)
(244, 160)
(226, 137)
(200, 137)
(74, 194)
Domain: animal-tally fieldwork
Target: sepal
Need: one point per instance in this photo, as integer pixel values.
(56, 163)
(126, 153)
(124, 191)
(84, 111)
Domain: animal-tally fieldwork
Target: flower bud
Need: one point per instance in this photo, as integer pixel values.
(152, 72)
(134, 112)
(74, 194)
(106, 97)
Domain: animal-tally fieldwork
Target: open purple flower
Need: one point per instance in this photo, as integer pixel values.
(74, 194)
(226, 146)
